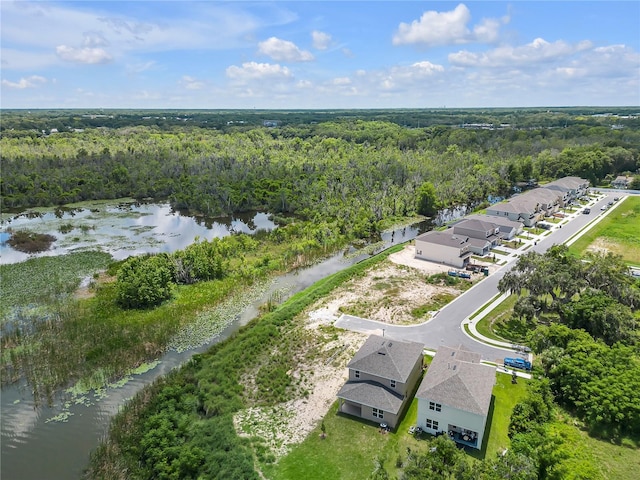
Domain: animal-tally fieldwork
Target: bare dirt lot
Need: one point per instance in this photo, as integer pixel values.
(389, 292)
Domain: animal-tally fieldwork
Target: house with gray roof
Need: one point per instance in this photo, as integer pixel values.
(622, 181)
(548, 200)
(570, 187)
(455, 396)
(517, 210)
(383, 375)
(444, 247)
(480, 230)
(508, 229)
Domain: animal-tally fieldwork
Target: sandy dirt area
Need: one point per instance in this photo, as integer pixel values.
(385, 289)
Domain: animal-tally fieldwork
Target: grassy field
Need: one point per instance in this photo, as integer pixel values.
(617, 232)
(501, 313)
(352, 446)
(37, 280)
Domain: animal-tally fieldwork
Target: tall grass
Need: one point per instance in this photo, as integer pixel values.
(213, 381)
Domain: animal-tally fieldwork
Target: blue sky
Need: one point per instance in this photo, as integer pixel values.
(319, 54)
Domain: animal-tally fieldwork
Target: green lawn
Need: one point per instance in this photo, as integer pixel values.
(506, 395)
(621, 462)
(501, 313)
(617, 232)
(610, 460)
(352, 446)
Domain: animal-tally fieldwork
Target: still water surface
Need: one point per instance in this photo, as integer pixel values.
(122, 229)
(34, 447)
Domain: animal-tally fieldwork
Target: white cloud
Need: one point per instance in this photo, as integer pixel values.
(448, 28)
(25, 82)
(257, 71)
(532, 53)
(94, 39)
(321, 40)
(283, 51)
(341, 81)
(426, 68)
(86, 55)
(191, 83)
(347, 53)
(33, 30)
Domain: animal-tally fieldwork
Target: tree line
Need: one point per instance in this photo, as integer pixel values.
(585, 313)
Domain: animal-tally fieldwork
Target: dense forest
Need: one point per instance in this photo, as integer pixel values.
(350, 171)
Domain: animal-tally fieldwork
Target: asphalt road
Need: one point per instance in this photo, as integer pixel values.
(445, 328)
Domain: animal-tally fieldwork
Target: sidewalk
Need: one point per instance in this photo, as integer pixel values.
(512, 254)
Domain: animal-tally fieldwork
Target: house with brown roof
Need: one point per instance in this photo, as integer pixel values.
(455, 396)
(444, 247)
(383, 375)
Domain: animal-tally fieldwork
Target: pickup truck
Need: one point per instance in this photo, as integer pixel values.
(517, 363)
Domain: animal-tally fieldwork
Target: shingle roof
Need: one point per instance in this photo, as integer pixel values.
(475, 224)
(457, 379)
(480, 243)
(444, 238)
(538, 195)
(371, 394)
(499, 221)
(568, 182)
(387, 358)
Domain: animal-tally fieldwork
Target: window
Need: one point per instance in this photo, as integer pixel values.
(357, 373)
(432, 424)
(435, 406)
(378, 413)
(392, 383)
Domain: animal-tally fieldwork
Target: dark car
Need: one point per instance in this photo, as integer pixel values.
(586, 211)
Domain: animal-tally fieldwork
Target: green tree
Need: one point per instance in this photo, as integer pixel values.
(427, 200)
(144, 281)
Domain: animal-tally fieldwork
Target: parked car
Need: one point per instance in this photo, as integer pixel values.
(517, 363)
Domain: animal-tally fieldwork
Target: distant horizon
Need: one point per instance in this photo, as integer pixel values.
(540, 107)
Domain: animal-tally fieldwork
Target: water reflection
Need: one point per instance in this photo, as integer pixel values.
(124, 228)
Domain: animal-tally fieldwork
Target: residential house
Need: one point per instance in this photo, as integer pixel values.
(622, 181)
(548, 200)
(383, 375)
(517, 211)
(508, 229)
(571, 188)
(444, 247)
(479, 229)
(455, 395)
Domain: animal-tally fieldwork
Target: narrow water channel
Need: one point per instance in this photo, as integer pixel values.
(36, 448)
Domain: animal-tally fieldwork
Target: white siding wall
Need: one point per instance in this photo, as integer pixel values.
(450, 416)
(439, 253)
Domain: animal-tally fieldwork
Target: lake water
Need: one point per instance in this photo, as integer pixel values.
(122, 229)
(55, 442)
